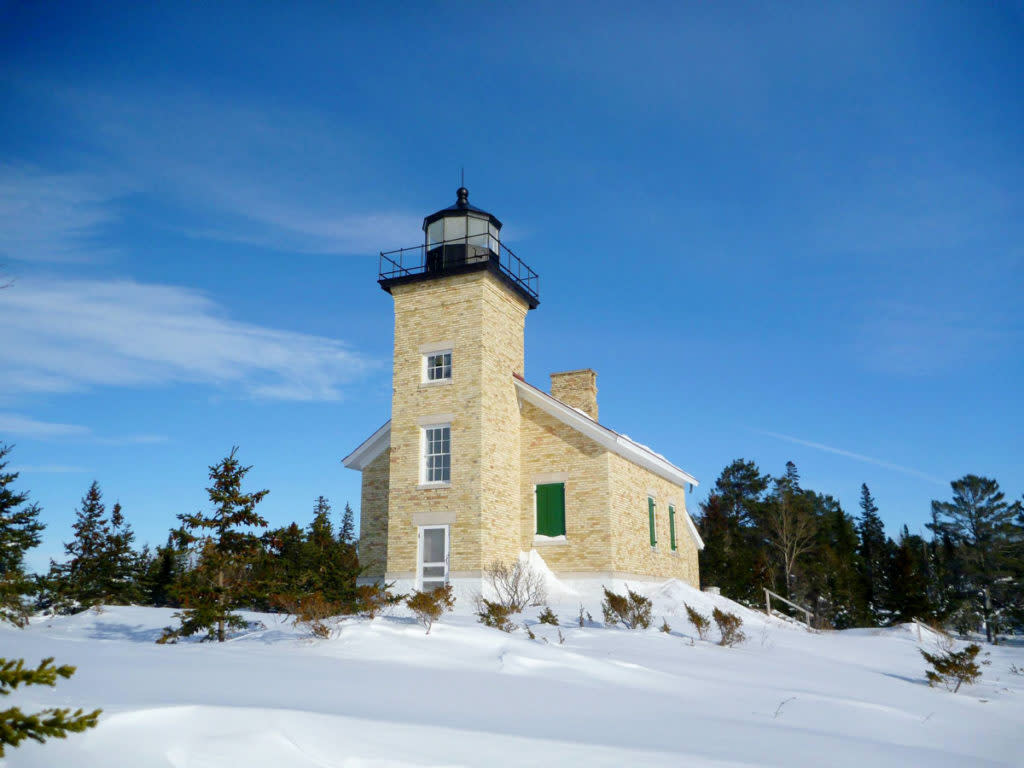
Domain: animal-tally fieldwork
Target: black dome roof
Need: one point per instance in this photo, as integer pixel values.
(461, 206)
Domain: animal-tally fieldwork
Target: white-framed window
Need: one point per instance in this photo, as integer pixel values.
(437, 366)
(437, 454)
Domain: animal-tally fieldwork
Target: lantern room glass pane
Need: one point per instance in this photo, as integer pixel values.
(477, 232)
(454, 227)
(435, 232)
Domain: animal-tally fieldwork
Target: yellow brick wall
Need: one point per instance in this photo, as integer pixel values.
(373, 517)
(630, 486)
(549, 447)
(484, 321)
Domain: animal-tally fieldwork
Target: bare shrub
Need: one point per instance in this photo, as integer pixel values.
(699, 620)
(492, 614)
(547, 616)
(371, 599)
(953, 668)
(516, 585)
(561, 638)
(581, 615)
(429, 606)
(665, 627)
(729, 626)
(632, 609)
(529, 632)
(311, 611)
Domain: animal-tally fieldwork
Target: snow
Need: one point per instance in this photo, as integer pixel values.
(382, 694)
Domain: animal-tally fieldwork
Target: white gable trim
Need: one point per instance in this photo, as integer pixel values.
(371, 448)
(693, 529)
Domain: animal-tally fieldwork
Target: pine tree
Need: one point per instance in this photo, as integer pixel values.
(160, 573)
(80, 581)
(121, 563)
(732, 558)
(16, 726)
(873, 553)
(909, 576)
(224, 546)
(347, 534)
(981, 524)
(20, 531)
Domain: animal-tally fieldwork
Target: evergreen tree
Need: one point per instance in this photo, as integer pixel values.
(121, 563)
(20, 531)
(225, 546)
(733, 559)
(909, 576)
(981, 525)
(347, 533)
(16, 726)
(160, 573)
(80, 581)
(874, 552)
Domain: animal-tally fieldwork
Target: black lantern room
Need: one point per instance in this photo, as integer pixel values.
(457, 239)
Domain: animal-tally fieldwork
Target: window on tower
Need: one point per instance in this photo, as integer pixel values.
(437, 454)
(438, 366)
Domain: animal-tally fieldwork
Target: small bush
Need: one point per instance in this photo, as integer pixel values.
(699, 620)
(953, 668)
(561, 638)
(529, 632)
(632, 609)
(547, 616)
(729, 625)
(492, 614)
(371, 599)
(311, 611)
(665, 627)
(965, 619)
(429, 606)
(516, 585)
(581, 615)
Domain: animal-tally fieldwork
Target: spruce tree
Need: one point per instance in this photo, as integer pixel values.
(982, 525)
(873, 553)
(347, 534)
(20, 531)
(121, 563)
(80, 581)
(224, 545)
(16, 726)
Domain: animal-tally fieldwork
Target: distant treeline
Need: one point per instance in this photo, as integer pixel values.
(212, 564)
(763, 531)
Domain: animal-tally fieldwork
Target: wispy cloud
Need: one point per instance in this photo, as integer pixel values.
(285, 180)
(24, 426)
(855, 456)
(64, 335)
(54, 217)
(18, 425)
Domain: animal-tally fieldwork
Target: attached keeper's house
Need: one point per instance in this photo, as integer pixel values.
(478, 465)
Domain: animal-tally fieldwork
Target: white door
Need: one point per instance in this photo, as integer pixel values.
(433, 548)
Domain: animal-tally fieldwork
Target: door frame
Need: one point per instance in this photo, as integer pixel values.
(421, 530)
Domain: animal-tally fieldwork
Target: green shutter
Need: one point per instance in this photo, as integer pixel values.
(672, 526)
(551, 509)
(650, 517)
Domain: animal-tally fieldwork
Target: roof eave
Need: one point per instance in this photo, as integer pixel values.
(369, 449)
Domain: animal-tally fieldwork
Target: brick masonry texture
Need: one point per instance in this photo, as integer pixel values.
(577, 389)
(500, 448)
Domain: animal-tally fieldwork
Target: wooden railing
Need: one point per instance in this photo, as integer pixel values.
(768, 595)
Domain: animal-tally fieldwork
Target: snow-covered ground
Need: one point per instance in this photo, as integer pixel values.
(382, 694)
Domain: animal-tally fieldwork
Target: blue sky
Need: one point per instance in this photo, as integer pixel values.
(776, 231)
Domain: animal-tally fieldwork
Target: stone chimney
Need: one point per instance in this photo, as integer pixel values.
(577, 389)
